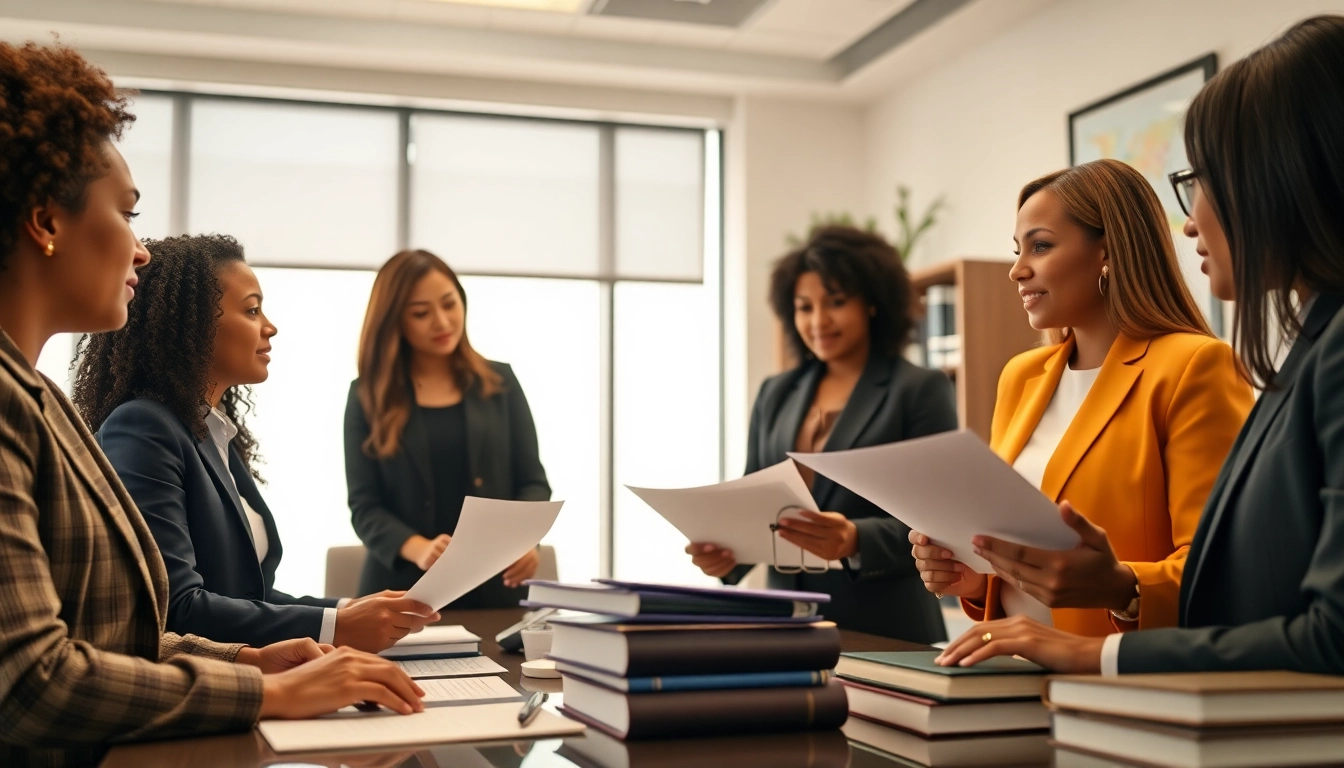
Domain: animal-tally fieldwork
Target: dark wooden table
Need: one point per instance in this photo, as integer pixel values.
(244, 750)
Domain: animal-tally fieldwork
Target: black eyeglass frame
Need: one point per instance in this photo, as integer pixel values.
(1183, 183)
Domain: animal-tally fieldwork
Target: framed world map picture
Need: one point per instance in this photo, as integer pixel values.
(1144, 127)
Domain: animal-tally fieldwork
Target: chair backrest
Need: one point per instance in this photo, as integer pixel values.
(345, 563)
(343, 567)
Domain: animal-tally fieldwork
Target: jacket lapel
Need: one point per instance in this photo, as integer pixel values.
(870, 391)
(1117, 377)
(1036, 395)
(1253, 434)
(247, 489)
(223, 481)
(792, 411)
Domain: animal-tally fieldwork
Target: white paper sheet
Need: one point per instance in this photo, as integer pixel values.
(491, 535)
(950, 487)
(436, 725)
(467, 690)
(737, 515)
(463, 667)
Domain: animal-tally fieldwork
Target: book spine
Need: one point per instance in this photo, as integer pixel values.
(727, 652)
(708, 713)
(726, 682)
(658, 603)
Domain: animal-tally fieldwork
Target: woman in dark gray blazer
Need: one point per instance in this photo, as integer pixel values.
(167, 395)
(1263, 586)
(845, 300)
(428, 423)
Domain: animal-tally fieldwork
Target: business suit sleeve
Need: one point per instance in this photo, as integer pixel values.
(56, 690)
(884, 542)
(284, 598)
(1311, 641)
(1206, 412)
(382, 532)
(145, 450)
(529, 476)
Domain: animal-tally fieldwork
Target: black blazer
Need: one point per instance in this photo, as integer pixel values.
(1264, 582)
(218, 590)
(893, 400)
(392, 499)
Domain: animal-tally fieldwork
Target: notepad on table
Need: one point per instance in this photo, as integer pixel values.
(466, 690)
(445, 640)
(436, 725)
(452, 667)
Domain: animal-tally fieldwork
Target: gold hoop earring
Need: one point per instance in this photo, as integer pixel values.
(1102, 281)
(51, 247)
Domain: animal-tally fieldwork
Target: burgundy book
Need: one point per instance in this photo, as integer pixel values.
(677, 714)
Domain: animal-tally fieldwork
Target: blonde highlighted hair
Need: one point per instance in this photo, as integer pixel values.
(385, 356)
(1146, 295)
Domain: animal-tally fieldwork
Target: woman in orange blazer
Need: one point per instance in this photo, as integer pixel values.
(1124, 420)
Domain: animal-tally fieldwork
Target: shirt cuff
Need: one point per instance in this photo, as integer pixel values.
(328, 633)
(1110, 655)
(344, 601)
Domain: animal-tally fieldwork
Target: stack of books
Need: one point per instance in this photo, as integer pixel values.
(1198, 720)
(903, 704)
(658, 661)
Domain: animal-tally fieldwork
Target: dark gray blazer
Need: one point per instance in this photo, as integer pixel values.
(218, 590)
(392, 499)
(893, 400)
(1264, 582)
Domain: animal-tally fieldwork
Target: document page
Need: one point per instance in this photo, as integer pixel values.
(436, 725)
(463, 667)
(738, 515)
(467, 690)
(950, 487)
(491, 535)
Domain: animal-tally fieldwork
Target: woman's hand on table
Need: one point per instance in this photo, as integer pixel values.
(1053, 649)
(339, 679)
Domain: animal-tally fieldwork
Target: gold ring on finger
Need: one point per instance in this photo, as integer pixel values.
(985, 638)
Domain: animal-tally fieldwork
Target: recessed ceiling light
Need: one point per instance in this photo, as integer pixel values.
(555, 6)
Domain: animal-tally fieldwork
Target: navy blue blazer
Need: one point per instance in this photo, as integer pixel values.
(218, 590)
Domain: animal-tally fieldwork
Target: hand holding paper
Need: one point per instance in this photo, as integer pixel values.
(950, 487)
(491, 535)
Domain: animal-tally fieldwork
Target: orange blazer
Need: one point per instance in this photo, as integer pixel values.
(1138, 459)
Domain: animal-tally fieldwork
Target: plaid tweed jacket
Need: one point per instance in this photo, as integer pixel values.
(84, 659)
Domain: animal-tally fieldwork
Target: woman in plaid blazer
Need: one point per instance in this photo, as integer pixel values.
(84, 659)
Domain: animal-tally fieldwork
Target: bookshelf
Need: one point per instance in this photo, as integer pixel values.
(993, 328)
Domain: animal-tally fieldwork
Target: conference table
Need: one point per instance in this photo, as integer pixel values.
(817, 749)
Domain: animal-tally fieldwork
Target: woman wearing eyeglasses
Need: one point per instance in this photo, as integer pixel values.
(1123, 420)
(844, 298)
(1264, 584)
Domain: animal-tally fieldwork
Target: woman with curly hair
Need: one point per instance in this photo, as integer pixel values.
(84, 658)
(167, 396)
(845, 300)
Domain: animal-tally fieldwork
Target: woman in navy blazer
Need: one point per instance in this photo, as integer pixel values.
(166, 395)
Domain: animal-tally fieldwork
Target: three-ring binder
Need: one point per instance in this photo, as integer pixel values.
(802, 566)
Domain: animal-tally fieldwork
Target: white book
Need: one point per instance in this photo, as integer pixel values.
(435, 640)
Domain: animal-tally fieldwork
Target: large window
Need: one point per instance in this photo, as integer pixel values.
(589, 253)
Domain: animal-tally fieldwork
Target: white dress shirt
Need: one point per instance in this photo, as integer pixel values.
(1031, 463)
(222, 432)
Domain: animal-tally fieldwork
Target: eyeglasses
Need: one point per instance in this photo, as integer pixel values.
(1184, 184)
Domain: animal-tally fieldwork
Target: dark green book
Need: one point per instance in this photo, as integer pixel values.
(998, 678)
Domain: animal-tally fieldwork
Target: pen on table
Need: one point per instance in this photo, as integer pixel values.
(531, 707)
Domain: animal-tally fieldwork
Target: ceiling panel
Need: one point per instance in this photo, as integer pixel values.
(851, 19)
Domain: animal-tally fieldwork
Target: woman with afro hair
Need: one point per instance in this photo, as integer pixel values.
(167, 396)
(85, 660)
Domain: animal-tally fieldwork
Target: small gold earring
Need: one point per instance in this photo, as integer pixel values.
(1102, 281)
(51, 247)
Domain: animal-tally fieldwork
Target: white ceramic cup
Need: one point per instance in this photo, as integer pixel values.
(537, 643)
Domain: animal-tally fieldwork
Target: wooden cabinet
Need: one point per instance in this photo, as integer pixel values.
(993, 328)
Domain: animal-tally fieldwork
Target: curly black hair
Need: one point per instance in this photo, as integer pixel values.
(56, 114)
(164, 351)
(856, 263)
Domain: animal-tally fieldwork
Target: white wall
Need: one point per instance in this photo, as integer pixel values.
(980, 127)
(785, 160)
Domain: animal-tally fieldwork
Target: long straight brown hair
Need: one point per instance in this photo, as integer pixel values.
(385, 356)
(1146, 295)
(1265, 138)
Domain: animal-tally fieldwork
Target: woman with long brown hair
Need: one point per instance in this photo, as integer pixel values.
(429, 422)
(1123, 419)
